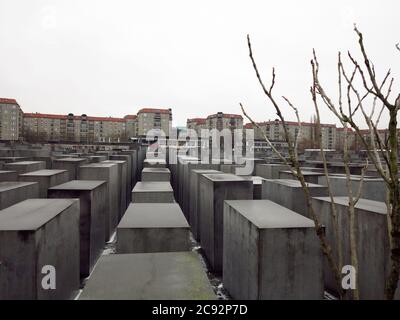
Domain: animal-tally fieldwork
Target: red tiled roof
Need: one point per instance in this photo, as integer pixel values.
(153, 110)
(131, 116)
(197, 120)
(248, 126)
(226, 115)
(8, 101)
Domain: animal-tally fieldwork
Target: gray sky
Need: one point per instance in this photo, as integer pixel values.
(109, 58)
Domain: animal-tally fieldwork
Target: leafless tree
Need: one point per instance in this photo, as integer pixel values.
(382, 154)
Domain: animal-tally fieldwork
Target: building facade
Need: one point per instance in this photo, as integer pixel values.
(150, 118)
(197, 124)
(222, 121)
(11, 123)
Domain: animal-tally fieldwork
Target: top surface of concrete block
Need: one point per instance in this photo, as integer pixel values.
(223, 177)
(7, 171)
(154, 186)
(355, 178)
(23, 163)
(99, 165)
(113, 161)
(43, 173)
(153, 215)
(266, 214)
(154, 161)
(74, 160)
(255, 179)
(9, 185)
(202, 171)
(149, 276)
(306, 173)
(156, 170)
(293, 183)
(31, 214)
(79, 185)
(363, 204)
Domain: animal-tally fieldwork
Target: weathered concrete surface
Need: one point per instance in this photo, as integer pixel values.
(33, 234)
(372, 188)
(270, 170)
(156, 174)
(153, 192)
(154, 163)
(46, 179)
(105, 172)
(152, 276)
(6, 175)
(96, 159)
(194, 203)
(372, 242)
(270, 252)
(289, 193)
(71, 165)
(134, 161)
(129, 177)
(92, 197)
(122, 185)
(13, 159)
(309, 176)
(12, 192)
(25, 166)
(257, 186)
(214, 190)
(153, 227)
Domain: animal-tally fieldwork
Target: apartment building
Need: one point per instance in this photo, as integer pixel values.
(131, 125)
(197, 124)
(274, 130)
(71, 128)
(222, 121)
(10, 120)
(150, 118)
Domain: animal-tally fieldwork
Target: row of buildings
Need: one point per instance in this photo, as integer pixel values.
(35, 127)
(331, 137)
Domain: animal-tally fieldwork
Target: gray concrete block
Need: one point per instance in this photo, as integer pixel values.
(154, 163)
(13, 159)
(152, 276)
(25, 166)
(71, 165)
(214, 190)
(122, 185)
(270, 170)
(194, 203)
(289, 193)
(129, 177)
(257, 186)
(33, 234)
(153, 227)
(309, 176)
(92, 197)
(270, 252)
(46, 179)
(96, 159)
(372, 188)
(105, 172)
(153, 192)
(12, 192)
(372, 242)
(156, 174)
(6, 175)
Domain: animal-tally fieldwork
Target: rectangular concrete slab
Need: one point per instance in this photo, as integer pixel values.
(153, 227)
(148, 276)
(214, 190)
(7, 175)
(152, 192)
(270, 170)
(25, 166)
(289, 193)
(194, 204)
(270, 252)
(46, 179)
(34, 234)
(92, 197)
(71, 165)
(156, 174)
(105, 172)
(12, 192)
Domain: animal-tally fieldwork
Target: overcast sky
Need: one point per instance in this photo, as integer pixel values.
(110, 58)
